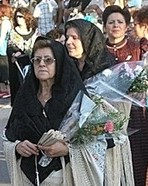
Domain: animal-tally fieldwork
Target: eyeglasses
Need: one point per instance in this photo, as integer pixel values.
(47, 60)
(20, 16)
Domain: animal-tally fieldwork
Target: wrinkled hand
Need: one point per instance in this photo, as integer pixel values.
(26, 149)
(57, 149)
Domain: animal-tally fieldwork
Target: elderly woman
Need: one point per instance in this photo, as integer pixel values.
(40, 105)
(91, 57)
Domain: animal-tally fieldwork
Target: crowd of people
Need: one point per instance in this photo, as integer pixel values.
(49, 49)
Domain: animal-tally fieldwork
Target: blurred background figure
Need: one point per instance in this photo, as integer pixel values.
(4, 2)
(134, 3)
(32, 5)
(19, 3)
(73, 7)
(57, 34)
(141, 28)
(144, 3)
(5, 28)
(60, 12)
(45, 11)
(21, 41)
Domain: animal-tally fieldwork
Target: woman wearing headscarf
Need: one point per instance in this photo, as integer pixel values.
(40, 105)
(86, 44)
(116, 21)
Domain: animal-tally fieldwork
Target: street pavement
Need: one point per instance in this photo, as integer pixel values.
(5, 110)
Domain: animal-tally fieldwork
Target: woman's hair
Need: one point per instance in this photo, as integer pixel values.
(6, 10)
(116, 9)
(111, 2)
(141, 15)
(40, 44)
(55, 33)
(31, 22)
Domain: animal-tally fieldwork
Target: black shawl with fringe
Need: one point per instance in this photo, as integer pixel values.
(27, 121)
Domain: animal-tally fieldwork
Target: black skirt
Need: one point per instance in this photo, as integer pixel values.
(139, 144)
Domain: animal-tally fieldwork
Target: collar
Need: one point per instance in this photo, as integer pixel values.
(117, 45)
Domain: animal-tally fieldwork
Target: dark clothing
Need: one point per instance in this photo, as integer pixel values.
(4, 69)
(138, 140)
(27, 120)
(143, 46)
(15, 76)
(75, 3)
(139, 144)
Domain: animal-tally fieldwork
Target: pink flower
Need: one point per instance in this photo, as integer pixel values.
(109, 126)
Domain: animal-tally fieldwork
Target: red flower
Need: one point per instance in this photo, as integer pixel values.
(109, 126)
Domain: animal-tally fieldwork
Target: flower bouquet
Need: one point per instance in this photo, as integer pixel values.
(120, 82)
(87, 125)
(102, 115)
(90, 117)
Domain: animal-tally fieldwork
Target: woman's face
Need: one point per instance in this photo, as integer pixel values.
(44, 64)
(140, 30)
(20, 18)
(115, 26)
(73, 43)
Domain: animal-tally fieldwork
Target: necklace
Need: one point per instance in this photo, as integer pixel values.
(43, 98)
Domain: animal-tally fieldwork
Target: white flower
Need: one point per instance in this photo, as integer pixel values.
(107, 72)
(137, 70)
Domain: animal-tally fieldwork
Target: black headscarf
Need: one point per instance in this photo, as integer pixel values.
(27, 121)
(97, 56)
